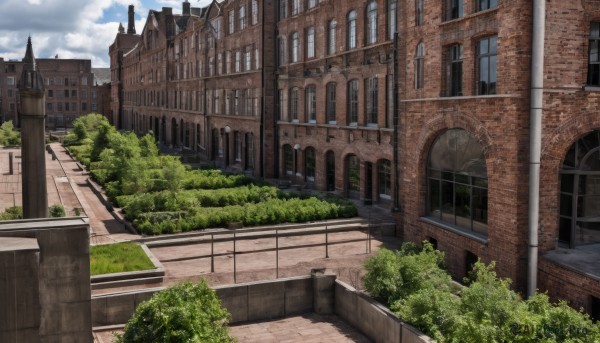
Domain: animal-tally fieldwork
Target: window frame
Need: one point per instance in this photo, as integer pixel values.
(371, 101)
(351, 34)
(488, 56)
(294, 99)
(593, 74)
(371, 23)
(331, 36)
(420, 66)
(311, 104)
(353, 94)
(310, 42)
(330, 106)
(455, 70)
(295, 47)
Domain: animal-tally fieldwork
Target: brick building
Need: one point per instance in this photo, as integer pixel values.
(69, 84)
(321, 105)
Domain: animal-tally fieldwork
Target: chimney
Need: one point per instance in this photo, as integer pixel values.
(131, 23)
(186, 8)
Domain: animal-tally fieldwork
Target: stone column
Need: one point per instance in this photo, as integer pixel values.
(33, 122)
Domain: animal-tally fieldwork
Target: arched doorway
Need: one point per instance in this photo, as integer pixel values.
(174, 132)
(352, 176)
(215, 144)
(580, 193)
(310, 162)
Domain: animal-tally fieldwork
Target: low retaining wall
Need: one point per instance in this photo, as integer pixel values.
(265, 300)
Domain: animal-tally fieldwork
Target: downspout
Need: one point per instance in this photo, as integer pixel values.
(396, 206)
(535, 139)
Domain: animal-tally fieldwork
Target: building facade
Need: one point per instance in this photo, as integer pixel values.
(70, 90)
(417, 106)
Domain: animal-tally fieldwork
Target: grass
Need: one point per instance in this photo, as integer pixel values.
(118, 258)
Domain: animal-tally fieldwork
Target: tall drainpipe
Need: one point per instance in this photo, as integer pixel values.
(535, 139)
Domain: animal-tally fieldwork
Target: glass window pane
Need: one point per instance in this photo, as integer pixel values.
(434, 198)
(448, 202)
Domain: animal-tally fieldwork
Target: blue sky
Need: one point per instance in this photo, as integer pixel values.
(71, 28)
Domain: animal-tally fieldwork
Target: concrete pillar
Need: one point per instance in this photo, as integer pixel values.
(323, 291)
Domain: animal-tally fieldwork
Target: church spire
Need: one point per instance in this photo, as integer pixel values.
(29, 59)
(121, 28)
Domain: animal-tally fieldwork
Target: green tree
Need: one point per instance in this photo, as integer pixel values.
(57, 211)
(8, 134)
(182, 313)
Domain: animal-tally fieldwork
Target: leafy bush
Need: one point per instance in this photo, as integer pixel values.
(182, 313)
(8, 134)
(57, 211)
(12, 213)
(418, 290)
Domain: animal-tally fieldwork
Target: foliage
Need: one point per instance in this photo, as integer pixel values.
(12, 213)
(84, 127)
(8, 134)
(485, 311)
(182, 313)
(57, 211)
(118, 258)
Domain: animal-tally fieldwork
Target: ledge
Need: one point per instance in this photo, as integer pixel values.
(455, 229)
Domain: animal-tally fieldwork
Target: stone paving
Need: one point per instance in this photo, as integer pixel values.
(67, 185)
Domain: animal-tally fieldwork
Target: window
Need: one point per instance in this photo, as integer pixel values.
(330, 108)
(49, 107)
(309, 164)
(580, 193)
(392, 18)
(74, 106)
(294, 104)
(487, 4)
(372, 22)
(353, 102)
(282, 51)
(352, 174)
(242, 17)
(457, 182)
(73, 93)
(295, 47)
(66, 93)
(288, 159)
(231, 22)
(283, 9)
(331, 28)
(371, 100)
(419, 12)
(238, 62)
(310, 42)
(248, 58)
(311, 104)
(83, 107)
(594, 55)
(254, 12)
(487, 65)
(51, 93)
(59, 106)
(311, 3)
(389, 108)
(11, 92)
(384, 178)
(296, 7)
(454, 9)
(237, 146)
(11, 106)
(420, 66)
(455, 70)
(227, 62)
(351, 31)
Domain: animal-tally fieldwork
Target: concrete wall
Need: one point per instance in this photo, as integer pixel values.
(266, 300)
(372, 318)
(63, 276)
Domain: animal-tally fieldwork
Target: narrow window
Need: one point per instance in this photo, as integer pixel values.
(487, 65)
(238, 62)
(371, 100)
(294, 105)
(311, 104)
(282, 51)
(372, 22)
(331, 37)
(487, 4)
(351, 32)
(392, 18)
(454, 9)
(295, 7)
(310, 164)
(283, 9)
(419, 12)
(420, 66)
(389, 99)
(310, 42)
(455, 69)
(331, 114)
(288, 160)
(231, 22)
(311, 3)
(594, 55)
(242, 16)
(353, 102)
(295, 47)
(384, 178)
(254, 12)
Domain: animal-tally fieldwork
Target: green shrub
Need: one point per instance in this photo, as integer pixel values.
(57, 211)
(12, 213)
(182, 313)
(8, 134)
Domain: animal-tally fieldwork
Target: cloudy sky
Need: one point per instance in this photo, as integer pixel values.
(71, 28)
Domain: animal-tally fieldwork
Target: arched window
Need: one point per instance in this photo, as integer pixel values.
(457, 182)
(419, 12)
(352, 175)
(580, 193)
(420, 66)
(351, 32)
(288, 160)
(384, 179)
(331, 32)
(310, 164)
(295, 47)
(372, 22)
